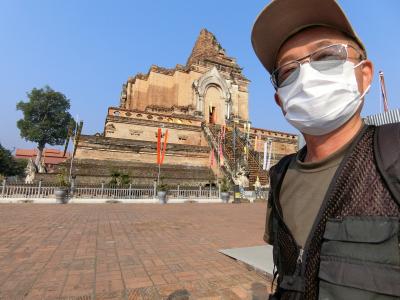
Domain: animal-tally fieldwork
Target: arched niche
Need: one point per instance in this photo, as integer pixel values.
(214, 80)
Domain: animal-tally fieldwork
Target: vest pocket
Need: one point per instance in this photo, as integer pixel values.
(360, 259)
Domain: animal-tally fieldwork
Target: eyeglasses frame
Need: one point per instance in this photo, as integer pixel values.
(302, 60)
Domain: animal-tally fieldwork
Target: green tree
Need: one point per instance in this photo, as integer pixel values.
(9, 166)
(118, 178)
(46, 118)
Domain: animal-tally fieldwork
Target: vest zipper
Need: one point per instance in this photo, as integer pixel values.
(300, 257)
(299, 263)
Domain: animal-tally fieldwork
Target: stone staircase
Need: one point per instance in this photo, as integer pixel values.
(233, 153)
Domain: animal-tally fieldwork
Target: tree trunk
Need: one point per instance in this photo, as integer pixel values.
(39, 156)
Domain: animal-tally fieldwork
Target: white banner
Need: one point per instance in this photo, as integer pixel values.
(269, 155)
(265, 155)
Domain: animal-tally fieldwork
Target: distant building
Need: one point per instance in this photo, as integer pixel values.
(387, 117)
(52, 157)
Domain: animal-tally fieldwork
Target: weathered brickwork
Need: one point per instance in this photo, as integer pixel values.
(210, 88)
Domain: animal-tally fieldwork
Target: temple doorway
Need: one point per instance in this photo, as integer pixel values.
(214, 106)
(212, 115)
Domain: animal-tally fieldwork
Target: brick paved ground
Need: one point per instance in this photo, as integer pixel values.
(122, 251)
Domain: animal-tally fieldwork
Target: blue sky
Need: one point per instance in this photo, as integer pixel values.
(88, 49)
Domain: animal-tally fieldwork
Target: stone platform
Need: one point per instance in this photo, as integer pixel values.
(122, 251)
(97, 171)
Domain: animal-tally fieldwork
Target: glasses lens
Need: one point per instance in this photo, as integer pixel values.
(327, 60)
(286, 74)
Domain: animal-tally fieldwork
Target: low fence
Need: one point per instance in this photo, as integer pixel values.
(187, 193)
(40, 191)
(107, 192)
(26, 191)
(114, 192)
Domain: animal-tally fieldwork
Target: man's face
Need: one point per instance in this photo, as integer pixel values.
(311, 39)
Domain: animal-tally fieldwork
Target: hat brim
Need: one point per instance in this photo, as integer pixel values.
(282, 18)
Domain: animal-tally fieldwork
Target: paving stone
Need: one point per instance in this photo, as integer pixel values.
(82, 252)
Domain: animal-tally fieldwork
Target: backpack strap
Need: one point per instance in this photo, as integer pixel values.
(278, 171)
(387, 155)
(276, 174)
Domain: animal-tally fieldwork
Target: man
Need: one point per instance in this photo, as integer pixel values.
(333, 211)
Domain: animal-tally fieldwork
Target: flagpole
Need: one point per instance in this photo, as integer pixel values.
(383, 91)
(159, 134)
(73, 148)
(158, 177)
(161, 151)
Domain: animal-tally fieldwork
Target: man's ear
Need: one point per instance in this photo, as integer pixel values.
(279, 103)
(367, 74)
(278, 100)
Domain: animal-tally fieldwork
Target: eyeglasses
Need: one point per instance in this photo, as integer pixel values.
(322, 60)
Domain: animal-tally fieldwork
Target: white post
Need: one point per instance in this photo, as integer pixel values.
(72, 186)
(102, 189)
(210, 190)
(40, 188)
(155, 189)
(178, 191)
(159, 171)
(3, 189)
(219, 190)
(130, 191)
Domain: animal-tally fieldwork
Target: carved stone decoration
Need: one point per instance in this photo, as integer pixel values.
(123, 98)
(212, 77)
(242, 176)
(30, 172)
(110, 128)
(135, 132)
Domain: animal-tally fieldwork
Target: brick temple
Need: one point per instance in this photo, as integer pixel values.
(194, 102)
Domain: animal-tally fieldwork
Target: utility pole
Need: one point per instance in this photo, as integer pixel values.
(383, 90)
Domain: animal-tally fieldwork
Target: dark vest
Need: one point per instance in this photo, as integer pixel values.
(353, 248)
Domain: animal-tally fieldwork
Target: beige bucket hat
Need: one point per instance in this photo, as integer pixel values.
(280, 19)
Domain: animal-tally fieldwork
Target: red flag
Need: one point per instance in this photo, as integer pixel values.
(212, 157)
(221, 155)
(164, 146)
(159, 146)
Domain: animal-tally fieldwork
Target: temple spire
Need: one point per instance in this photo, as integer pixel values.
(207, 47)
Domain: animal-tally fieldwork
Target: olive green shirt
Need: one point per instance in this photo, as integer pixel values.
(303, 191)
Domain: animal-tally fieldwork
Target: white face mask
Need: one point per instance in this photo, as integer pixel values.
(318, 103)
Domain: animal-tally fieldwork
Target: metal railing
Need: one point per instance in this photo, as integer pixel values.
(228, 167)
(205, 193)
(130, 192)
(28, 191)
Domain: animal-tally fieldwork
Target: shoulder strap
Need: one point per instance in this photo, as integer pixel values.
(387, 155)
(276, 174)
(278, 171)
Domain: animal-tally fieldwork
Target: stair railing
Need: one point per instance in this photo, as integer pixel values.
(214, 147)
